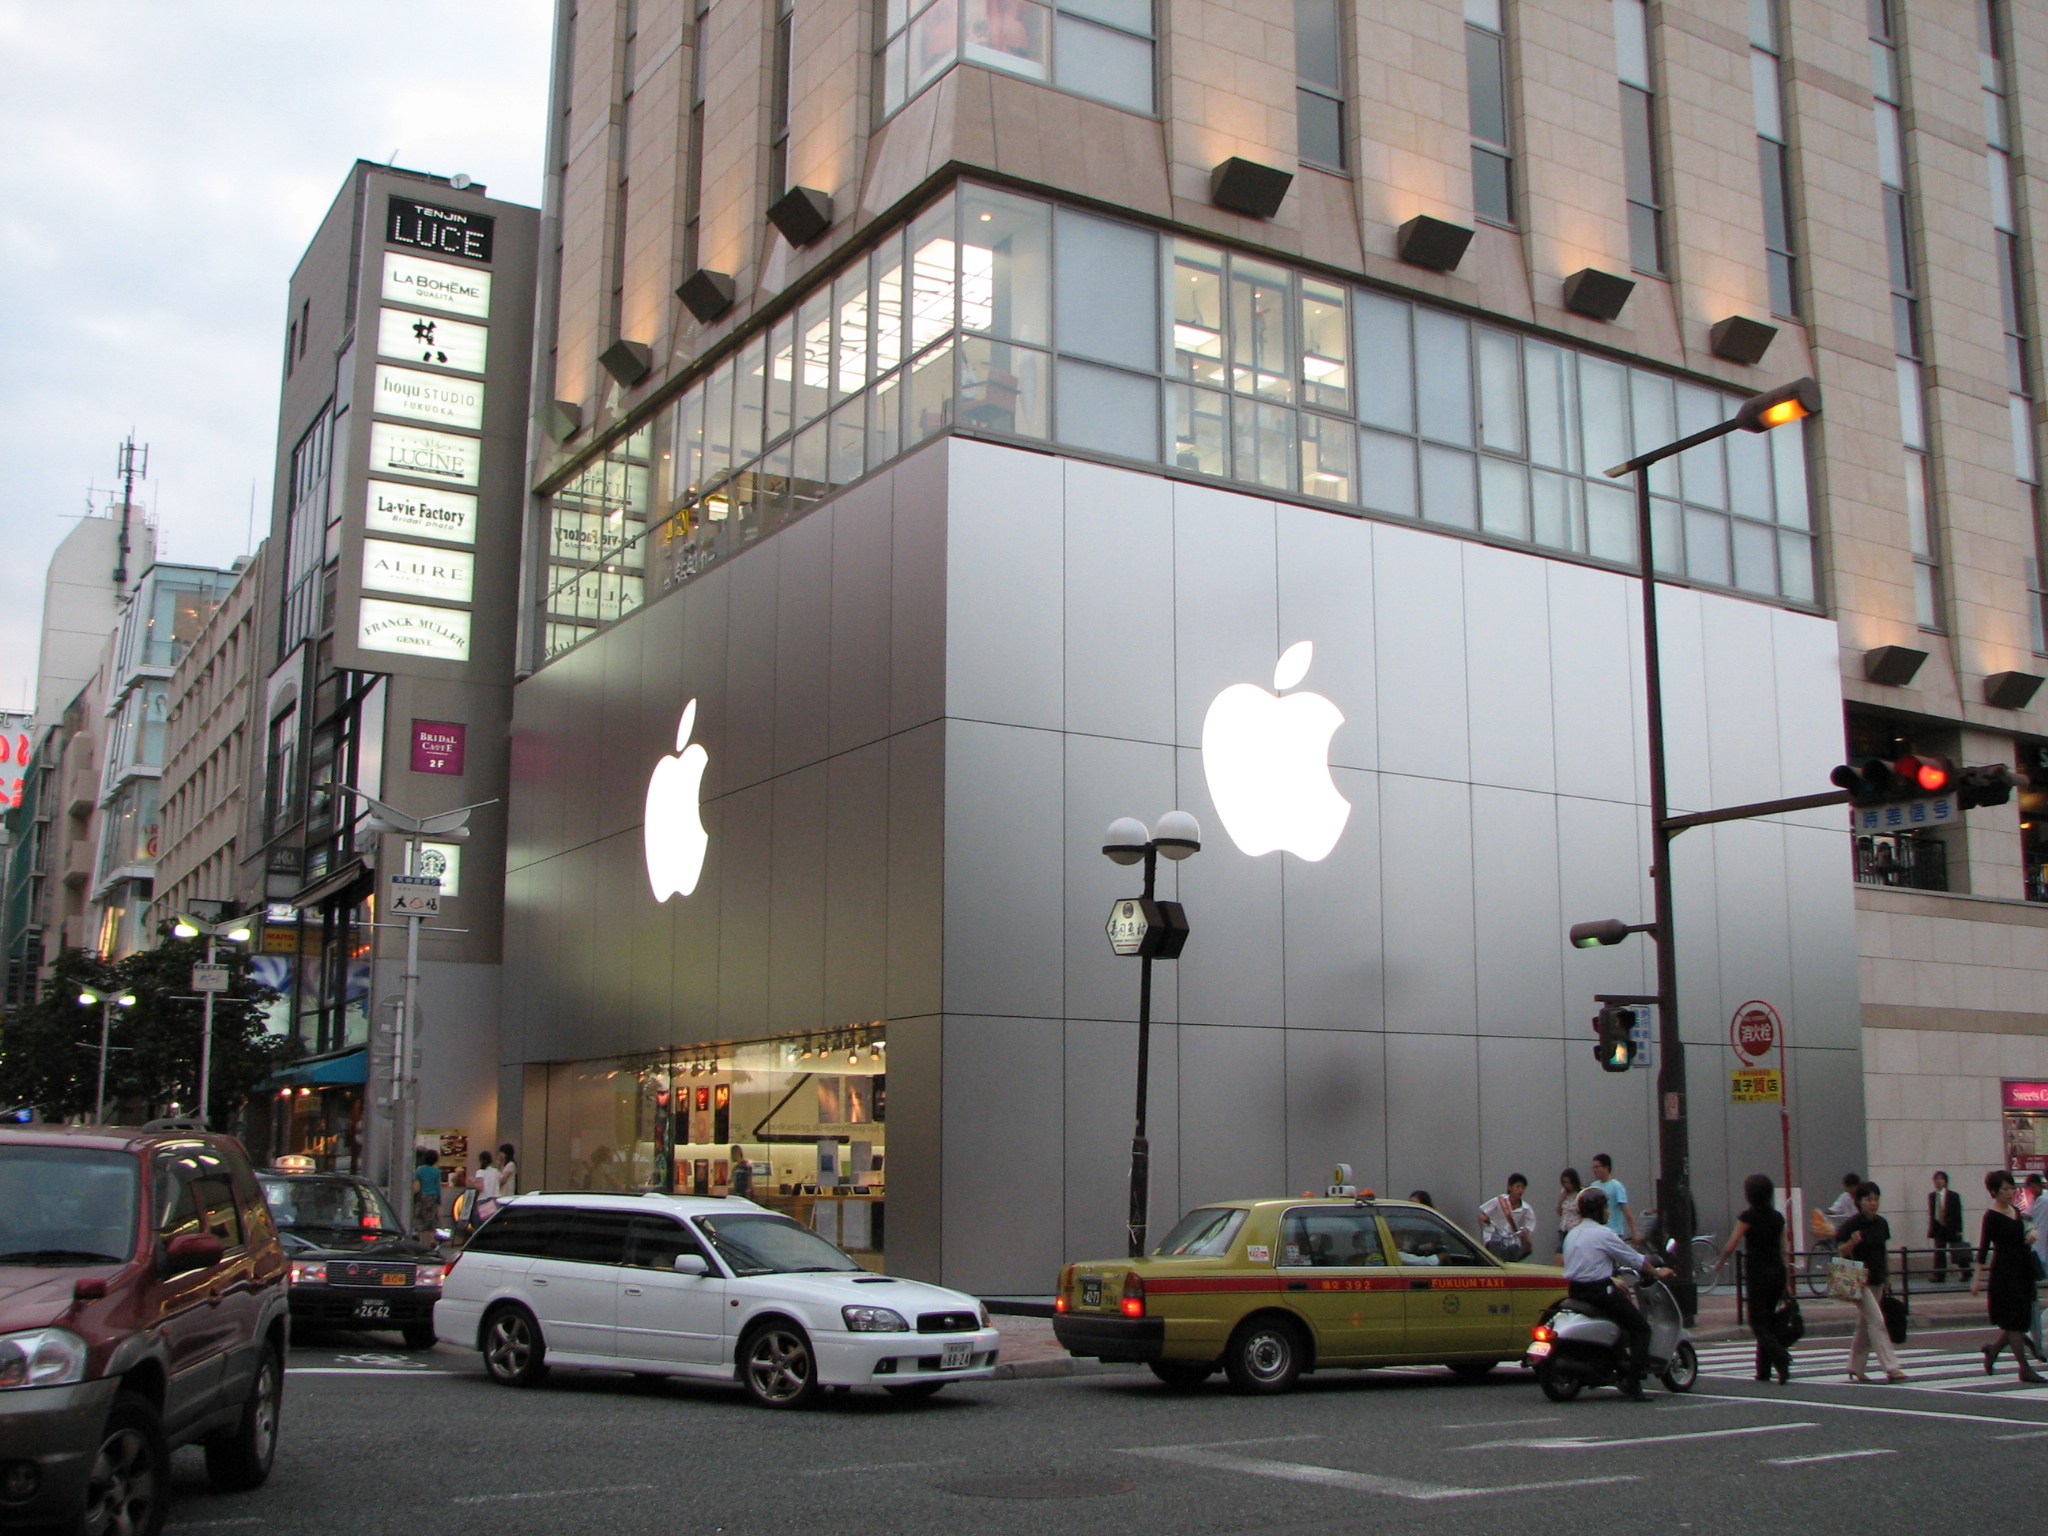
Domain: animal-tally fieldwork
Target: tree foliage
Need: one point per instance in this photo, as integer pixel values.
(49, 1051)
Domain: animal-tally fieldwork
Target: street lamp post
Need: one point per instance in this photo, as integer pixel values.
(108, 1002)
(1760, 413)
(235, 930)
(444, 826)
(1149, 934)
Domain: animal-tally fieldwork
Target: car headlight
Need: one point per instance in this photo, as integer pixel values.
(41, 1357)
(429, 1274)
(874, 1320)
(309, 1272)
(984, 1314)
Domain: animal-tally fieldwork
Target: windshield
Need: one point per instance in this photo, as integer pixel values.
(66, 1205)
(771, 1245)
(329, 1205)
(1203, 1234)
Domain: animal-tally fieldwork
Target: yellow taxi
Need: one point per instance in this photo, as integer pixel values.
(1268, 1289)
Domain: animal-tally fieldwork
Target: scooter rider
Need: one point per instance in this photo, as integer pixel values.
(1592, 1250)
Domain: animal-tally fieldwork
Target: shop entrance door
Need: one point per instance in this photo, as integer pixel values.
(1335, 1272)
(1458, 1299)
(666, 1317)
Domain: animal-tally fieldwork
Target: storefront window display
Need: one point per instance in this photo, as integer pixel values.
(2026, 1126)
(797, 1124)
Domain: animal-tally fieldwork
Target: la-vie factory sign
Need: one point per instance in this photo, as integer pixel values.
(431, 227)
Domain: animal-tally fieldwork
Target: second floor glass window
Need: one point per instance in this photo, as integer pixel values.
(1098, 48)
(1486, 89)
(1319, 84)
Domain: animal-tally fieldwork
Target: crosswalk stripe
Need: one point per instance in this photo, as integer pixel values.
(1932, 1370)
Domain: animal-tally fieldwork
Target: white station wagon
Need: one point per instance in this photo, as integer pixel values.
(719, 1289)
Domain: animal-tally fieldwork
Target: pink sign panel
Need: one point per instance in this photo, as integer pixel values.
(2026, 1095)
(437, 746)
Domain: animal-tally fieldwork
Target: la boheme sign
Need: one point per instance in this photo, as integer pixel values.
(437, 285)
(435, 227)
(420, 511)
(412, 629)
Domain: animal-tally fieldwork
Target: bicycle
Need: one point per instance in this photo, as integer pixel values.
(1706, 1263)
(1818, 1257)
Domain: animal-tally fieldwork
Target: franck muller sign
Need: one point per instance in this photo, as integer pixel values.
(448, 231)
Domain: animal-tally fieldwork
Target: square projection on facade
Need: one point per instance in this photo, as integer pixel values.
(413, 629)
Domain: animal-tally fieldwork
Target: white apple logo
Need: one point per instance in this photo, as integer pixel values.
(1267, 760)
(674, 830)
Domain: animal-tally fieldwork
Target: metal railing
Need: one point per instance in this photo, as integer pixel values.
(1930, 1271)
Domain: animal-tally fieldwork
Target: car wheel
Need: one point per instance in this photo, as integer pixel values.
(1473, 1370)
(1264, 1356)
(1182, 1375)
(1559, 1387)
(420, 1336)
(916, 1391)
(1683, 1370)
(127, 1488)
(241, 1459)
(778, 1367)
(514, 1353)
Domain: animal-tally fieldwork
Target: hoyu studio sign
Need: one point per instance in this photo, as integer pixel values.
(434, 227)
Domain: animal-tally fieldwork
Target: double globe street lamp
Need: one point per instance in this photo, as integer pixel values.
(1149, 929)
(108, 1002)
(235, 930)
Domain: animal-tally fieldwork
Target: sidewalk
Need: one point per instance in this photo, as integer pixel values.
(1929, 1311)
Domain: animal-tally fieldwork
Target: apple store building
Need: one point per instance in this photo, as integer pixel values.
(947, 564)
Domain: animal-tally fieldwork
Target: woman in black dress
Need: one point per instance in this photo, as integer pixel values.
(1761, 1231)
(2003, 1250)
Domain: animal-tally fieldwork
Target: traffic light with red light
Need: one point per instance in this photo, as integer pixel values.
(1910, 776)
(1616, 1050)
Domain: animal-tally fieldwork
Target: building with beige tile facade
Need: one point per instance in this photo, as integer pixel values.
(1427, 266)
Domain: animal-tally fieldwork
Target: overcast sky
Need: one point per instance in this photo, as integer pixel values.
(166, 164)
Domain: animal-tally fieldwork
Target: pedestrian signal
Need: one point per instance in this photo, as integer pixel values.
(1616, 1050)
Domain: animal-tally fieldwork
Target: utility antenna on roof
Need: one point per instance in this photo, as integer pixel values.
(131, 464)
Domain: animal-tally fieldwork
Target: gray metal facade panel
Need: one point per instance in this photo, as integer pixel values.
(1324, 576)
(1520, 952)
(1593, 682)
(1336, 1105)
(745, 895)
(796, 904)
(1426, 896)
(1225, 579)
(1748, 761)
(1106, 778)
(1233, 1097)
(803, 640)
(1232, 974)
(917, 870)
(750, 682)
(1432, 1089)
(1003, 1114)
(698, 673)
(917, 587)
(916, 1167)
(621, 740)
(861, 610)
(856, 944)
(1515, 1077)
(1004, 578)
(1101, 1066)
(1419, 613)
(1508, 700)
(1004, 866)
(1332, 933)
(578, 722)
(1119, 605)
(696, 956)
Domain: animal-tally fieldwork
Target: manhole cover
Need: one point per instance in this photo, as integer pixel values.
(1040, 1487)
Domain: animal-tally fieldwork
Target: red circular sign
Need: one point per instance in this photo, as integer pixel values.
(1754, 1030)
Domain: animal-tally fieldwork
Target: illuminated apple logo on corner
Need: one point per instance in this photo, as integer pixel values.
(1267, 760)
(673, 828)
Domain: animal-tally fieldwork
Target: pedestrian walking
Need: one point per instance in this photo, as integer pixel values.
(508, 1173)
(1569, 1184)
(488, 1183)
(2003, 1251)
(2040, 1231)
(1508, 1222)
(426, 1193)
(1760, 1230)
(1864, 1237)
(1945, 1229)
(741, 1175)
(1845, 1203)
(1621, 1217)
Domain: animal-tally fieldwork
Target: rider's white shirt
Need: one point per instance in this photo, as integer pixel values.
(1591, 1252)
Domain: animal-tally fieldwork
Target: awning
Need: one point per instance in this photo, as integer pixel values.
(329, 1072)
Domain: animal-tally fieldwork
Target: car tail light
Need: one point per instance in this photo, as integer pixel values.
(429, 1274)
(371, 1221)
(448, 1268)
(1059, 1303)
(309, 1272)
(1134, 1295)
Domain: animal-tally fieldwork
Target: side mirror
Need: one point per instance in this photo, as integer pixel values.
(691, 1264)
(192, 1250)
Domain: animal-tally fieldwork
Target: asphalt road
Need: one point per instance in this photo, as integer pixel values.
(376, 1440)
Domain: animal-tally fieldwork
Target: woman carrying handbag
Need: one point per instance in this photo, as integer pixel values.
(2003, 1248)
(1864, 1237)
(1761, 1231)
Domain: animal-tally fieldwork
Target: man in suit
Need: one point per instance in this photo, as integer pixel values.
(1945, 1229)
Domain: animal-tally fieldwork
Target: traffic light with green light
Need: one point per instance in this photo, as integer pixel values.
(1616, 1050)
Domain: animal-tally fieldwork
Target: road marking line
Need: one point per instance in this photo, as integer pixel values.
(2039, 1434)
(553, 1493)
(1805, 1461)
(886, 1466)
(214, 1525)
(1358, 1482)
(1214, 1445)
(338, 1370)
(1910, 1413)
(1589, 1443)
(1502, 1423)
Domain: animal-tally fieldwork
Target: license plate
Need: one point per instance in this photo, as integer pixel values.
(392, 1278)
(1091, 1290)
(955, 1357)
(368, 1311)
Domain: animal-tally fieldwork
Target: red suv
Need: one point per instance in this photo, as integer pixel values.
(142, 1307)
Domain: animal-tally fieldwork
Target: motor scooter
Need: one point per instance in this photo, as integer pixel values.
(1575, 1347)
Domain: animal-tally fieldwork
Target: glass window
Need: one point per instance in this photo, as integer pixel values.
(1102, 62)
(888, 305)
(1552, 396)
(1604, 414)
(1610, 522)
(750, 395)
(655, 1242)
(1108, 410)
(1319, 91)
(846, 450)
(781, 378)
(1198, 313)
(1261, 361)
(717, 426)
(933, 274)
(592, 1237)
(885, 420)
(1262, 444)
(1386, 472)
(1002, 388)
(1201, 1234)
(1504, 498)
(1486, 94)
(67, 1200)
(1706, 547)
(1553, 510)
(1330, 1237)
(814, 355)
(1006, 266)
(1449, 492)
(1500, 391)
(1325, 373)
(1756, 557)
(1443, 375)
(1108, 291)
(1200, 429)
(1386, 389)
(1008, 35)
(527, 1231)
(1326, 455)
(771, 1245)
(931, 395)
(1424, 1238)
(850, 333)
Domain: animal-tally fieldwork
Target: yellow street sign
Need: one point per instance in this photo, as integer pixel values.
(1756, 1085)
